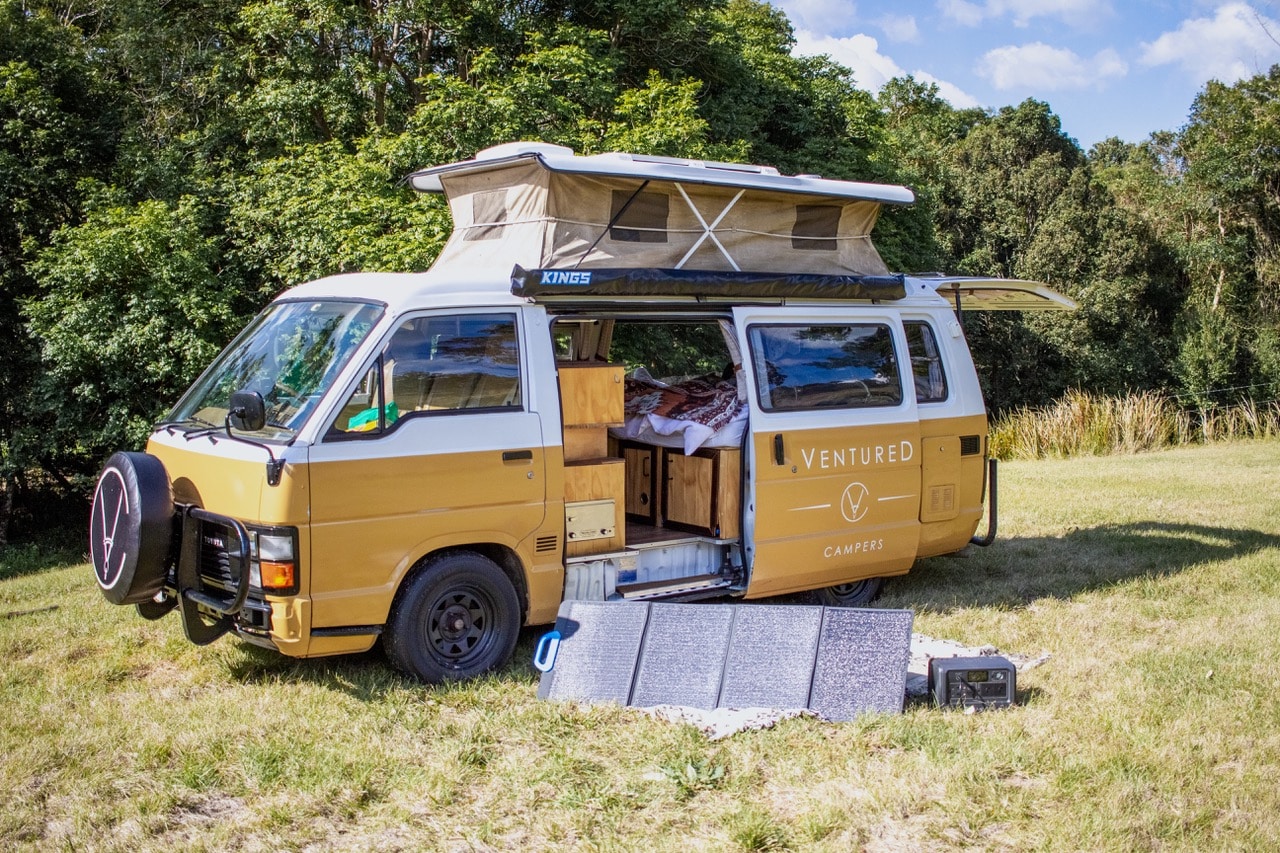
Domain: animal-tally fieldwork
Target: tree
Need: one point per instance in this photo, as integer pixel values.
(60, 120)
(1230, 149)
(320, 211)
(132, 305)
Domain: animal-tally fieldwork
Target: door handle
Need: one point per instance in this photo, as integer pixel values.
(517, 455)
(779, 453)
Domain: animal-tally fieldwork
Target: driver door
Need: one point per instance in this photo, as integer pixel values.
(435, 447)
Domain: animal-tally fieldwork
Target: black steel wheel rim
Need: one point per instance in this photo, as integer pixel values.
(849, 590)
(460, 626)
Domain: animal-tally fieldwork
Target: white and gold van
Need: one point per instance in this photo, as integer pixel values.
(441, 458)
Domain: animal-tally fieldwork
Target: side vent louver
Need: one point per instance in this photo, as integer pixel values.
(545, 544)
(970, 445)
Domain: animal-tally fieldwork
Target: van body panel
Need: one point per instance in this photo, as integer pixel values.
(434, 482)
(229, 477)
(952, 482)
(842, 506)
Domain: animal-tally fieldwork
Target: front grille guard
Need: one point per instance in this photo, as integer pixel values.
(208, 612)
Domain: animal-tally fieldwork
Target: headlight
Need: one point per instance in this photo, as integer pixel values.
(273, 566)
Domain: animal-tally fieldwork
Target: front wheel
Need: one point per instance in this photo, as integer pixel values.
(456, 618)
(853, 594)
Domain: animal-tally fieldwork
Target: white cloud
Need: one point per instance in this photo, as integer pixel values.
(899, 28)
(1038, 66)
(951, 93)
(1237, 42)
(1082, 14)
(860, 53)
(824, 16)
(872, 69)
(961, 12)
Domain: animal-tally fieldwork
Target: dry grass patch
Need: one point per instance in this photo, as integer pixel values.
(1153, 580)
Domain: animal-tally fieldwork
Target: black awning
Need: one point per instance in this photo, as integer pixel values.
(595, 283)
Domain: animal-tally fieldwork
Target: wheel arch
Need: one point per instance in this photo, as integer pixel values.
(503, 556)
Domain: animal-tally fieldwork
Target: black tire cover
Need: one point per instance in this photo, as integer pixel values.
(130, 527)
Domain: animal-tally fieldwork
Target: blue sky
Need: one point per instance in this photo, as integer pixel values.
(1106, 67)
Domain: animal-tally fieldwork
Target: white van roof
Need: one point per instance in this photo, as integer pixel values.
(617, 164)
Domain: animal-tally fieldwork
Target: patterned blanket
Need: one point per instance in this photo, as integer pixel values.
(706, 400)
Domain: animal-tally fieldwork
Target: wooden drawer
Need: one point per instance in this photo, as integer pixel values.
(583, 444)
(591, 394)
(589, 483)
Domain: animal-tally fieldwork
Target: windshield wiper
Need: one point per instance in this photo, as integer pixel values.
(190, 419)
(187, 420)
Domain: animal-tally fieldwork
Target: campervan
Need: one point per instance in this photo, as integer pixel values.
(624, 378)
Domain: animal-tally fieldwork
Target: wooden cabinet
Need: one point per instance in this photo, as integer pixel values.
(594, 520)
(702, 492)
(699, 493)
(688, 490)
(583, 444)
(591, 394)
(642, 481)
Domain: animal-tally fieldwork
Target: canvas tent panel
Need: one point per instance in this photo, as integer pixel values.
(562, 220)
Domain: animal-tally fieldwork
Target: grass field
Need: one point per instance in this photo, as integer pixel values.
(1152, 579)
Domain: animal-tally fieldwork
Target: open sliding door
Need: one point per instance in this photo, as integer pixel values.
(834, 448)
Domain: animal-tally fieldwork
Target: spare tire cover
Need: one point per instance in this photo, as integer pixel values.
(130, 527)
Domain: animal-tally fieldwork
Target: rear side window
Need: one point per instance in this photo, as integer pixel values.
(437, 365)
(837, 366)
(926, 362)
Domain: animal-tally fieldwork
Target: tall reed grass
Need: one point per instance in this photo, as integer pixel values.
(1083, 424)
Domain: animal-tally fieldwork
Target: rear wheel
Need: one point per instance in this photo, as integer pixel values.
(456, 618)
(130, 527)
(852, 594)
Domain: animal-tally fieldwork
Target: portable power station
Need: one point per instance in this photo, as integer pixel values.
(976, 682)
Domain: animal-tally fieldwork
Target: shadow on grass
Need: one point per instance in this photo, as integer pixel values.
(55, 549)
(369, 675)
(1016, 571)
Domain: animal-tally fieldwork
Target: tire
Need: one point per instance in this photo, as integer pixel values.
(853, 594)
(457, 617)
(130, 528)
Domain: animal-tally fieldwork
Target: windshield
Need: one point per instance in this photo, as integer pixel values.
(289, 354)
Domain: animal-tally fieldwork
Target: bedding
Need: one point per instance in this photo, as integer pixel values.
(699, 412)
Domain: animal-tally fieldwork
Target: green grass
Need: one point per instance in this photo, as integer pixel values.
(1153, 580)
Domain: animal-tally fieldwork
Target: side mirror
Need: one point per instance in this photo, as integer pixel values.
(248, 411)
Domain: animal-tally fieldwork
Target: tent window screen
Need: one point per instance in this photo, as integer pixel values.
(816, 227)
(642, 219)
(849, 366)
(488, 215)
(926, 363)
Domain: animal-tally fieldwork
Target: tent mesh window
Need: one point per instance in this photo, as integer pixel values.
(816, 227)
(643, 220)
(488, 214)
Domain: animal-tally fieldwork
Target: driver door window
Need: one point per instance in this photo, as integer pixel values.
(436, 365)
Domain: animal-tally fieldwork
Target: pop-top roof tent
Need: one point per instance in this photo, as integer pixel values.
(642, 225)
(541, 206)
